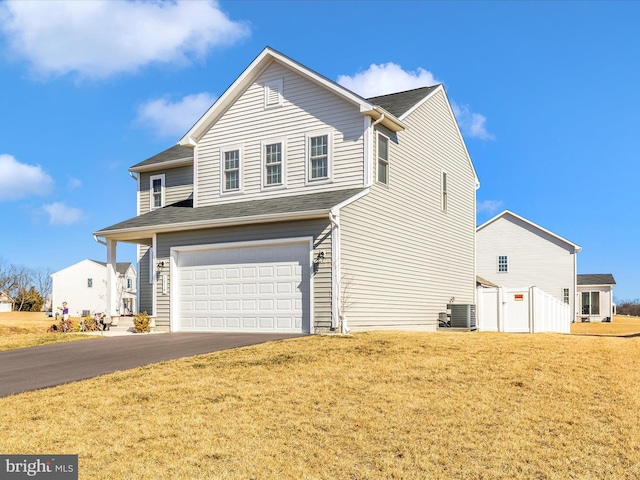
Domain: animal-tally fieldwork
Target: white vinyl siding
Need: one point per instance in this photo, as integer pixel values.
(306, 108)
(534, 257)
(402, 258)
(588, 295)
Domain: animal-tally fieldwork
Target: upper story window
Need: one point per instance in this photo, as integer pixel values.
(503, 263)
(156, 191)
(565, 295)
(129, 283)
(273, 94)
(444, 193)
(273, 163)
(89, 282)
(318, 157)
(383, 159)
(231, 160)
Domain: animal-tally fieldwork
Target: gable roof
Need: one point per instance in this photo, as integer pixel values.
(508, 213)
(259, 64)
(182, 216)
(596, 279)
(400, 103)
(175, 156)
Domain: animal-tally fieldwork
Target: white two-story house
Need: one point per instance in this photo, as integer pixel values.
(295, 205)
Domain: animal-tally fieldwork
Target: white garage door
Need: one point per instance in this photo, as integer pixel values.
(244, 289)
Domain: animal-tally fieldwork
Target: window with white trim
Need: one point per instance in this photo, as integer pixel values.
(231, 160)
(444, 192)
(318, 157)
(156, 191)
(590, 303)
(503, 263)
(565, 295)
(383, 159)
(89, 282)
(273, 93)
(273, 163)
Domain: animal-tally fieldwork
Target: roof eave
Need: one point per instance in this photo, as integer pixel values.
(138, 232)
(179, 162)
(388, 119)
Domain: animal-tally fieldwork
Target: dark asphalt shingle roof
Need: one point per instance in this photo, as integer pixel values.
(183, 212)
(121, 267)
(596, 279)
(399, 103)
(177, 152)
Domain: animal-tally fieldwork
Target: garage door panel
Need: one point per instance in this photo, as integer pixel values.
(259, 288)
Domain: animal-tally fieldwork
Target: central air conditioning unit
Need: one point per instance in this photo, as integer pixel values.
(463, 315)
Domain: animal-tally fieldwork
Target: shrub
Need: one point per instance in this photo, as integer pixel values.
(62, 326)
(91, 324)
(142, 322)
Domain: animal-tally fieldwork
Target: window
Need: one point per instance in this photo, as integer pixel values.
(89, 282)
(318, 157)
(273, 164)
(231, 170)
(443, 187)
(273, 94)
(590, 303)
(503, 263)
(565, 295)
(156, 193)
(383, 159)
(129, 284)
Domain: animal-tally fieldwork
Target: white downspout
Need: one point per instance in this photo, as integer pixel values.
(338, 317)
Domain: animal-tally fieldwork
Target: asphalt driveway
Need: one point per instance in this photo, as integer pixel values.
(50, 365)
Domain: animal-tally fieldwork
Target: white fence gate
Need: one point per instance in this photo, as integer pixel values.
(529, 309)
(5, 307)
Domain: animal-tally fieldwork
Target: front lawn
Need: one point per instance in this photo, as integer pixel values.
(29, 329)
(368, 406)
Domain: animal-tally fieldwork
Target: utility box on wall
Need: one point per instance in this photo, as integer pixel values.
(463, 315)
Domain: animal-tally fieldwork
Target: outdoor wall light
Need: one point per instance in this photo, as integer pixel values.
(318, 261)
(160, 266)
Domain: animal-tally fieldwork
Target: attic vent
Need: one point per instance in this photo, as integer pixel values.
(273, 93)
(463, 315)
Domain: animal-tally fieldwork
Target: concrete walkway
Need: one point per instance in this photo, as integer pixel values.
(50, 365)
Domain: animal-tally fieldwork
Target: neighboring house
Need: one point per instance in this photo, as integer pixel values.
(514, 252)
(5, 302)
(294, 204)
(84, 287)
(595, 297)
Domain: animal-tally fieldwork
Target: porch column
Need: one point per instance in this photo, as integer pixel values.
(112, 283)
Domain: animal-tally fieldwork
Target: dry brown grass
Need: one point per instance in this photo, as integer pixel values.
(370, 406)
(29, 329)
(620, 325)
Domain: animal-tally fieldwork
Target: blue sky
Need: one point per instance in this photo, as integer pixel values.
(546, 94)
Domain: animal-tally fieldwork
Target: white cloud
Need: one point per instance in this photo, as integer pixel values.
(390, 78)
(471, 124)
(169, 118)
(98, 38)
(489, 207)
(74, 182)
(19, 180)
(60, 214)
(386, 78)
